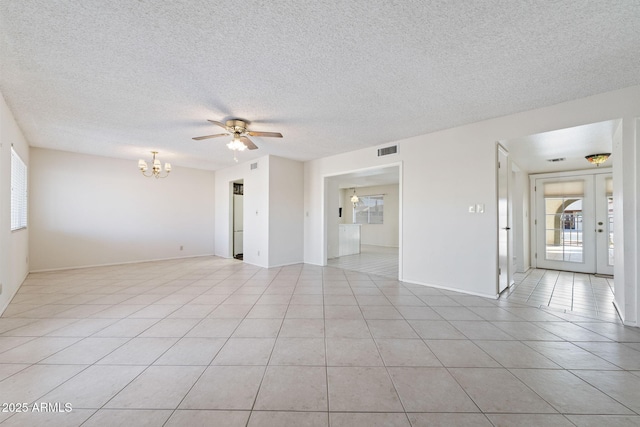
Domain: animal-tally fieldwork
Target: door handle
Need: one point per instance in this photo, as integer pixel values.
(507, 228)
(600, 230)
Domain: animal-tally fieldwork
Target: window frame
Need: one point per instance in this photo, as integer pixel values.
(19, 192)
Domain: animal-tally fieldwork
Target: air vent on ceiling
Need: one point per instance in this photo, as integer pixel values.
(254, 165)
(559, 159)
(387, 150)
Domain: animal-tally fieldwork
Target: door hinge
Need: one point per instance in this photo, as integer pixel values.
(535, 222)
(499, 271)
(535, 188)
(536, 255)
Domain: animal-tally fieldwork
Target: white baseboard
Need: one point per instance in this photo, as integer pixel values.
(77, 267)
(3, 308)
(447, 288)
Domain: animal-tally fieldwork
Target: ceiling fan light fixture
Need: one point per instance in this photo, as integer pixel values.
(235, 144)
(598, 159)
(238, 129)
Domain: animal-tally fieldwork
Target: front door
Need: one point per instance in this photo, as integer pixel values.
(572, 222)
(604, 224)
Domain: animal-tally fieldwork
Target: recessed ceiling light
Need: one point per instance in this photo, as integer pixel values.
(559, 159)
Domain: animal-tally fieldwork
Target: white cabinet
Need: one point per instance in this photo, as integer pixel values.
(348, 239)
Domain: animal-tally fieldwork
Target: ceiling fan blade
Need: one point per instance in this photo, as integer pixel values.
(222, 125)
(249, 143)
(269, 134)
(198, 138)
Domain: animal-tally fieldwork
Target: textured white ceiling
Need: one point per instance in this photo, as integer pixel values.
(369, 178)
(119, 78)
(532, 153)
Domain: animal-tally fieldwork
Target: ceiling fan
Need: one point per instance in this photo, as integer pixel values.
(238, 129)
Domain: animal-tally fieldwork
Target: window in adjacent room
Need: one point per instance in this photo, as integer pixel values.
(370, 210)
(18, 192)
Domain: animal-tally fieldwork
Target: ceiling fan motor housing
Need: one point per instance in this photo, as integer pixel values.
(236, 126)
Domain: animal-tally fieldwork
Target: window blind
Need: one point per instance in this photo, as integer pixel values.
(18, 192)
(370, 210)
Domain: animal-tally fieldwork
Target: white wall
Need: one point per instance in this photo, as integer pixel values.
(14, 246)
(385, 234)
(90, 210)
(272, 211)
(286, 218)
(444, 172)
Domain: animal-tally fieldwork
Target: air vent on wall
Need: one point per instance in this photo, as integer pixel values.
(254, 165)
(559, 159)
(387, 150)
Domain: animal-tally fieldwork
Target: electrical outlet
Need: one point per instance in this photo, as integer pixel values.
(181, 247)
(258, 253)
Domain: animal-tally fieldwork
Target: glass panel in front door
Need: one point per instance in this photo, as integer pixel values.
(564, 221)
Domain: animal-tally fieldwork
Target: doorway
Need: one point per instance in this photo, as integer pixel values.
(573, 224)
(237, 206)
(363, 221)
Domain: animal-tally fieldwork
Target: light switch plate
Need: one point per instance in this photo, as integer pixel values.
(480, 208)
(472, 209)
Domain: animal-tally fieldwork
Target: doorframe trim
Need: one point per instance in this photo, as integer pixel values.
(501, 148)
(325, 214)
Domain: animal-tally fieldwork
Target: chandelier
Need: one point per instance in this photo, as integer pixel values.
(156, 169)
(597, 159)
(354, 199)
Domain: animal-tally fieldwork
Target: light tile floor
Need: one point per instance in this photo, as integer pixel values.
(378, 260)
(585, 294)
(209, 341)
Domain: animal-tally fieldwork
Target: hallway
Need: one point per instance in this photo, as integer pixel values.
(584, 294)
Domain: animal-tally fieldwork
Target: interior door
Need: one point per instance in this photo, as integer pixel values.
(504, 228)
(604, 224)
(565, 223)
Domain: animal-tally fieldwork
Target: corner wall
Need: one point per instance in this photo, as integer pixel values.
(14, 245)
(273, 211)
(286, 218)
(89, 210)
(255, 207)
(445, 172)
